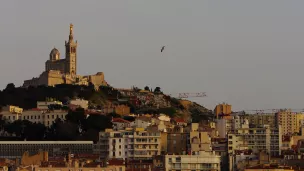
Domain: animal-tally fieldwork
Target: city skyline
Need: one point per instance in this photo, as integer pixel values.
(237, 52)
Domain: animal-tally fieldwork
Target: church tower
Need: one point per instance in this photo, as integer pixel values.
(71, 54)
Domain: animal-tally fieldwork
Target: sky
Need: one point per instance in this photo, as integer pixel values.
(246, 53)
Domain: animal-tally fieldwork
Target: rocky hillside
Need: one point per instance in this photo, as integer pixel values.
(140, 101)
(194, 111)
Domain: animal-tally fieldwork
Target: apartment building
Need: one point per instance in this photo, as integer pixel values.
(222, 109)
(200, 161)
(223, 126)
(115, 144)
(290, 122)
(36, 116)
(258, 138)
(120, 124)
(177, 141)
(11, 113)
(141, 122)
(130, 143)
(261, 119)
(198, 140)
(80, 102)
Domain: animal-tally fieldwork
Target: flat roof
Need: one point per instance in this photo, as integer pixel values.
(46, 142)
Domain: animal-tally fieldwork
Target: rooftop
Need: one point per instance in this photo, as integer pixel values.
(120, 120)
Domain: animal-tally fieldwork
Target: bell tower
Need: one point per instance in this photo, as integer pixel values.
(71, 54)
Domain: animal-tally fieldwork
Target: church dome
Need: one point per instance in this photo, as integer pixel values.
(54, 55)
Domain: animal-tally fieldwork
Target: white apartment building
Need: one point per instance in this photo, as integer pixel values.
(131, 143)
(120, 124)
(36, 116)
(202, 161)
(115, 144)
(45, 117)
(141, 122)
(80, 102)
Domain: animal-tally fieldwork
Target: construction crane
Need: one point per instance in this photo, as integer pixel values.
(189, 95)
(263, 111)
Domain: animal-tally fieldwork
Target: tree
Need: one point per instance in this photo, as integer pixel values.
(91, 86)
(90, 135)
(170, 111)
(34, 132)
(114, 115)
(77, 117)
(157, 90)
(63, 131)
(147, 88)
(98, 122)
(10, 86)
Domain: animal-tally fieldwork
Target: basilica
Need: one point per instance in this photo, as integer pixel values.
(64, 71)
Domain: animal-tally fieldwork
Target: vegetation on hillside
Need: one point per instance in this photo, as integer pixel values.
(77, 126)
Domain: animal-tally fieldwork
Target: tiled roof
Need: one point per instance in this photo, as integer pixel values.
(120, 120)
(115, 162)
(179, 120)
(54, 164)
(94, 164)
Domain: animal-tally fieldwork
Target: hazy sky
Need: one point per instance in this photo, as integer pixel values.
(246, 53)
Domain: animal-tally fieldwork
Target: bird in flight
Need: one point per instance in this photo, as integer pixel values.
(162, 49)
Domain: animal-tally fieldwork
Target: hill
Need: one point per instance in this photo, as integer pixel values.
(140, 101)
